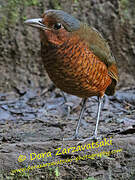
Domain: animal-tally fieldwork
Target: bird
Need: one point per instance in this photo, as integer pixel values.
(77, 59)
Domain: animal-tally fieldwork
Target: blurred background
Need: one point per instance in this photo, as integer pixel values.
(20, 63)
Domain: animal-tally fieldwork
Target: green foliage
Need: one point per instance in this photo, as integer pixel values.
(56, 172)
(12, 10)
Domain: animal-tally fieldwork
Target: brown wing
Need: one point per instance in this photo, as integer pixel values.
(101, 49)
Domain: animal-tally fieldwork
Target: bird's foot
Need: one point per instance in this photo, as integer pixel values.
(93, 138)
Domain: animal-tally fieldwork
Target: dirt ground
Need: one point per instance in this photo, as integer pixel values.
(34, 121)
(33, 114)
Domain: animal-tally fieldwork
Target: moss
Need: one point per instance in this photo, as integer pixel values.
(11, 11)
(124, 8)
(32, 2)
(2, 23)
(56, 4)
(75, 1)
(127, 10)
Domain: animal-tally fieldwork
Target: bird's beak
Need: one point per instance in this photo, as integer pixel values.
(37, 23)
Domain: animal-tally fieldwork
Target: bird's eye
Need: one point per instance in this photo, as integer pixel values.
(57, 26)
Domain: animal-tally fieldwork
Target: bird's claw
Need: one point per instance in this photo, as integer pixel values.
(94, 138)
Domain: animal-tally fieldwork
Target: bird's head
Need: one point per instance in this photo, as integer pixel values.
(55, 26)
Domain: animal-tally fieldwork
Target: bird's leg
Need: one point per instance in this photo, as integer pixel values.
(100, 99)
(64, 97)
(66, 102)
(94, 137)
(80, 117)
(79, 121)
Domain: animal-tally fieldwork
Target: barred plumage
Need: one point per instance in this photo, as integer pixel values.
(81, 74)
